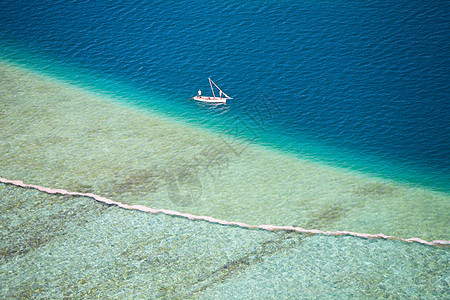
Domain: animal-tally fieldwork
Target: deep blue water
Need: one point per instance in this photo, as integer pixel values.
(359, 84)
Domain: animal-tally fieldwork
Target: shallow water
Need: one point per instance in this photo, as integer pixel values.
(347, 131)
(128, 155)
(55, 246)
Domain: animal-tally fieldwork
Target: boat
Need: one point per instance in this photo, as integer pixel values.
(221, 99)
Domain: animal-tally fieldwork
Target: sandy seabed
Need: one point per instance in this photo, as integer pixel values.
(56, 135)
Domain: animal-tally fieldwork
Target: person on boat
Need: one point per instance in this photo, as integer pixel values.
(220, 94)
(199, 93)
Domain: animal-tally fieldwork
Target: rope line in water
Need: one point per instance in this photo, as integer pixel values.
(218, 221)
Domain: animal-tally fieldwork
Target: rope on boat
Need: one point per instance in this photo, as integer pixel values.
(143, 208)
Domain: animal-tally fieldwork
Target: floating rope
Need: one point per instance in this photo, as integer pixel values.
(218, 221)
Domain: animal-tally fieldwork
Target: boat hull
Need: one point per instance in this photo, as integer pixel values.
(210, 99)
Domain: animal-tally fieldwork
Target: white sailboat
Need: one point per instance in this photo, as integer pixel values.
(221, 99)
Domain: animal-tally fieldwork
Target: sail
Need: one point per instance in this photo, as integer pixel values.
(210, 81)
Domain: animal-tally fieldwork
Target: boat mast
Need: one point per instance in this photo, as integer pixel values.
(212, 90)
(210, 80)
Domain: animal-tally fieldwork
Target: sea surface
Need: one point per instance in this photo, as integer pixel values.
(338, 122)
(357, 84)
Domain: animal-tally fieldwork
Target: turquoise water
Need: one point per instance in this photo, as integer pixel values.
(57, 135)
(338, 122)
(362, 86)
